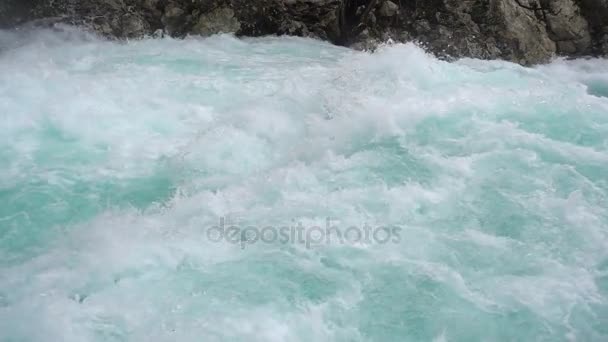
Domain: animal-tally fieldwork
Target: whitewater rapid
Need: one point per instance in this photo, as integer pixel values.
(117, 157)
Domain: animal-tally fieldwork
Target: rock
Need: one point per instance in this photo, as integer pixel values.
(595, 11)
(158, 34)
(603, 45)
(568, 28)
(151, 5)
(596, 14)
(422, 26)
(174, 19)
(294, 28)
(133, 26)
(525, 38)
(220, 20)
(15, 12)
(388, 9)
(174, 12)
(523, 31)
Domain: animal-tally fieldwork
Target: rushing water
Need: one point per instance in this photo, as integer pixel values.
(117, 159)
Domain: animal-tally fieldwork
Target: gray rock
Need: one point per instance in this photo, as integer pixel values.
(603, 45)
(14, 12)
(568, 28)
(220, 20)
(523, 31)
(596, 14)
(133, 26)
(174, 19)
(388, 9)
(525, 36)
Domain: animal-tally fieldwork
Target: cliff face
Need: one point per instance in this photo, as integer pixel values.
(524, 31)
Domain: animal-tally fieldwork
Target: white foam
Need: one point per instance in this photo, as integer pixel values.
(501, 210)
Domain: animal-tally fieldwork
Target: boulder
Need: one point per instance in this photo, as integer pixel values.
(523, 36)
(174, 19)
(220, 20)
(388, 9)
(568, 28)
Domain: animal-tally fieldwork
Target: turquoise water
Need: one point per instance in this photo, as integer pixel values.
(116, 160)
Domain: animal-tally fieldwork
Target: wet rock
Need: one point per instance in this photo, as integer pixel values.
(388, 9)
(174, 19)
(524, 31)
(568, 28)
(133, 26)
(524, 36)
(221, 20)
(596, 14)
(15, 12)
(603, 45)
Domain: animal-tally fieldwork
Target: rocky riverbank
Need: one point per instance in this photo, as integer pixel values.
(523, 31)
